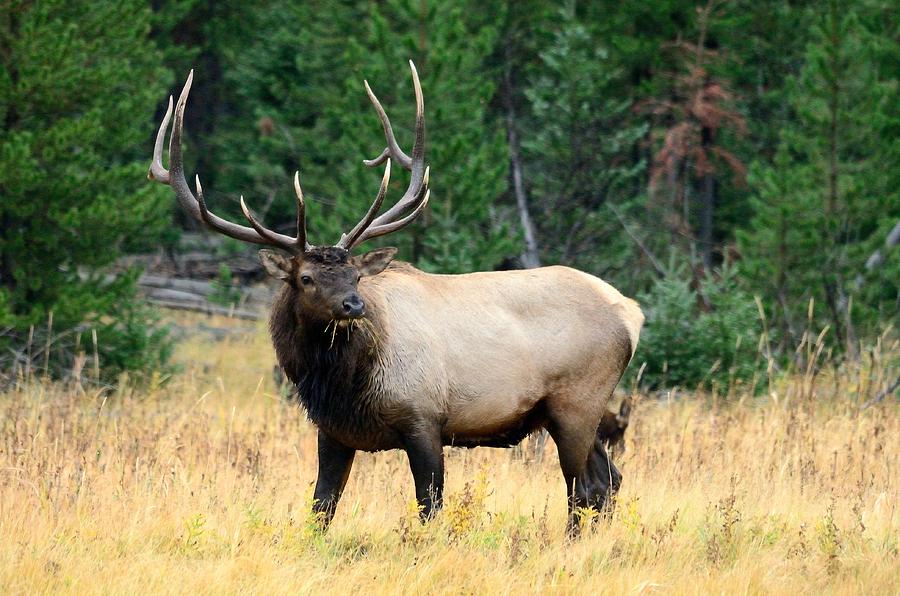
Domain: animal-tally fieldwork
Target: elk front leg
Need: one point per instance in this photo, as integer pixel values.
(335, 461)
(426, 461)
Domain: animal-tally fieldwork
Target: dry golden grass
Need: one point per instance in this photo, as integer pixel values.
(201, 485)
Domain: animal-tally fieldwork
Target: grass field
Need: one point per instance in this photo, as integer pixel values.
(201, 484)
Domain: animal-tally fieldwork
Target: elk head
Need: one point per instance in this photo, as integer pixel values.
(324, 278)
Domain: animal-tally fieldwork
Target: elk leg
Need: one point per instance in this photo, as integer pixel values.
(573, 454)
(598, 481)
(335, 461)
(426, 461)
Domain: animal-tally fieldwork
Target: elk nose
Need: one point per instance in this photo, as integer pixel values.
(354, 306)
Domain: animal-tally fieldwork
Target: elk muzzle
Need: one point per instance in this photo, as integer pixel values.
(353, 306)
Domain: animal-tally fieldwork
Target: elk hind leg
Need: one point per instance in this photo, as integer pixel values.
(574, 443)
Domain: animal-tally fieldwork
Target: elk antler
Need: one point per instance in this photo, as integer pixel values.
(416, 195)
(196, 206)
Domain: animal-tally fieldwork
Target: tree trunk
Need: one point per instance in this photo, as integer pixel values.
(781, 283)
(707, 207)
(530, 257)
(834, 279)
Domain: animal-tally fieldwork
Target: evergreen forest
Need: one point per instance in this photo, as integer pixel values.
(733, 165)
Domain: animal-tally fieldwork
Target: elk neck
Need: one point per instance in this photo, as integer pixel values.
(333, 366)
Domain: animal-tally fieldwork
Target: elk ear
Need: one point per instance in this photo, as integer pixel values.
(276, 265)
(374, 261)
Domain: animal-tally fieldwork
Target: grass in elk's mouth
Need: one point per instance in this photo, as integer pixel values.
(333, 324)
(333, 333)
(350, 325)
(208, 479)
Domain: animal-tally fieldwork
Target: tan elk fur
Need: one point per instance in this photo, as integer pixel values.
(483, 349)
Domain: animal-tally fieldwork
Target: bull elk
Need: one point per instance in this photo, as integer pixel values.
(385, 356)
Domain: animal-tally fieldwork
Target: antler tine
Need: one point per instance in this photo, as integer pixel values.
(301, 214)
(196, 206)
(157, 171)
(416, 194)
(260, 229)
(349, 240)
(374, 231)
(392, 149)
(393, 226)
(417, 162)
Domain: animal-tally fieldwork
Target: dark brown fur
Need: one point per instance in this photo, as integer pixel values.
(332, 369)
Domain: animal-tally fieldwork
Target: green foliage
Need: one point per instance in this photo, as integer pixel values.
(79, 82)
(577, 147)
(224, 291)
(693, 336)
(592, 86)
(130, 339)
(826, 201)
(594, 89)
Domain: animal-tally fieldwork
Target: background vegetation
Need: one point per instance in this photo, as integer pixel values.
(660, 145)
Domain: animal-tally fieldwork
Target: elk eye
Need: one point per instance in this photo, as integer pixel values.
(305, 280)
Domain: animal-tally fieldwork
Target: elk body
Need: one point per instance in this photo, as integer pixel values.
(385, 356)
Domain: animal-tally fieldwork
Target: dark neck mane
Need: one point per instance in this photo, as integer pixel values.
(332, 368)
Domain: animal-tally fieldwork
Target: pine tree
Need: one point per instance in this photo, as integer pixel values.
(876, 284)
(578, 145)
(78, 87)
(689, 166)
(826, 200)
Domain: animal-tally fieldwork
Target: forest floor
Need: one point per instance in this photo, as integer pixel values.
(201, 484)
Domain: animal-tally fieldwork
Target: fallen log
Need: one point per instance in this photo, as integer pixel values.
(207, 308)
(154, 285)
(175, 296)
(194, 286)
